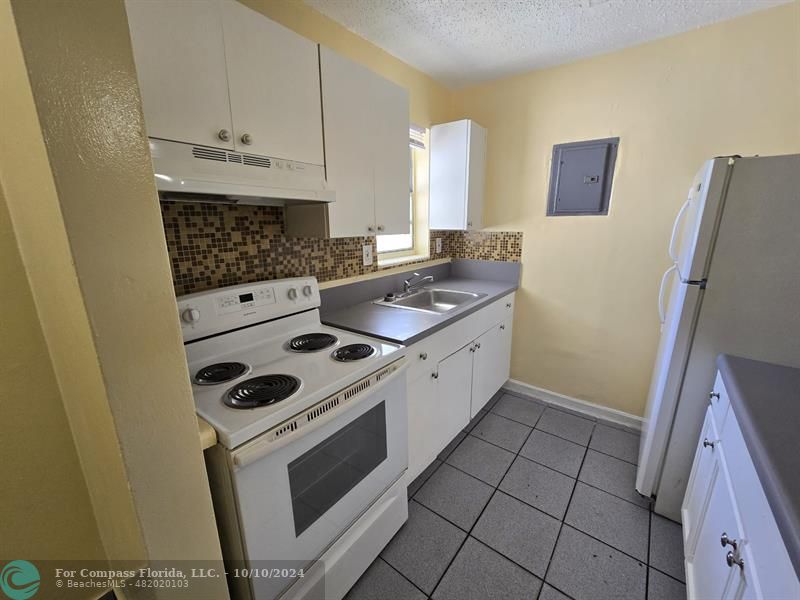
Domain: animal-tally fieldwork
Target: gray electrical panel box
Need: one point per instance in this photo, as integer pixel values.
(580, 177)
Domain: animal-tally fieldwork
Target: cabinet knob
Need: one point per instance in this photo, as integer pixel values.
(724, 540)
(423, 355)
(502, 326)
(435, 375)
(707, 444)
(508, 304)
(472, 348)
(247, 139)
(224, 135)
(731, 559)
(370, 228)
(713, 395)
(469, 223)
(381, 227)
(477, 345)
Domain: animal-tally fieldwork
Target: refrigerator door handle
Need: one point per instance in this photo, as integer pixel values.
(661, 310)
(675, 227)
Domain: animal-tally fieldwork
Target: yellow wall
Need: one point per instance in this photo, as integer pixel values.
(430, 101)
(77, 178)
(43, 488)
(586, 323)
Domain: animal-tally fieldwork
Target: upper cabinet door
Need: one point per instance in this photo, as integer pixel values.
(274, 87)
(458, 156)
(347, 89)
(180, 61)
(392, 156)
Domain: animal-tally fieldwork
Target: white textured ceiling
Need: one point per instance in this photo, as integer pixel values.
(462, 42)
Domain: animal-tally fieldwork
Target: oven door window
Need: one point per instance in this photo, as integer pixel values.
(324, 474)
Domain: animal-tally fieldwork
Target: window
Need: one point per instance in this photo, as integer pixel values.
(580, 177)
(414, 243)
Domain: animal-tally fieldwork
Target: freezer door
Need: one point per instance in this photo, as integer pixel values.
(695, 227)
(673, 352)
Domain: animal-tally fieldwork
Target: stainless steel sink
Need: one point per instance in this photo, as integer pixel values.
(431, 300)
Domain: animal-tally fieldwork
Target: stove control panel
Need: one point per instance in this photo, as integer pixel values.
(217, 311)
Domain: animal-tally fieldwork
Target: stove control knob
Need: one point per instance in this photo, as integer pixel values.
(292, 293)
(190, 315)
(307, 291)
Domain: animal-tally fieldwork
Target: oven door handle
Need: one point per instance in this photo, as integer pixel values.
(263, 445)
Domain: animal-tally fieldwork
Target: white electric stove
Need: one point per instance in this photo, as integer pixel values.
(313, 437)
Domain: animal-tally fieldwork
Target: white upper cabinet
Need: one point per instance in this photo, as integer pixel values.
(273, 76)
(180, 61)
(346, 92)
(366, 148)
(216, 73)
(392, 157)
(458, 166)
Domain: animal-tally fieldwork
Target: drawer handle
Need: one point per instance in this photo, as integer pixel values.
(707, 444)
(731, 559)
(508, 304)
(435, 375)
(423, 355)
(502, 327)
(713, 395)
(726, 541)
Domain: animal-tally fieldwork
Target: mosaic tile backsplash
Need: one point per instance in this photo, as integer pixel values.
(215, 245)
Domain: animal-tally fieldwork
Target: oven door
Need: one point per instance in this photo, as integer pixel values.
(300, 493)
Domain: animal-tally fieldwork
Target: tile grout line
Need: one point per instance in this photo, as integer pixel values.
(567, 439)
(560, 520)
(649, 543)
(398, 572)
(469, 533)
(569, 502)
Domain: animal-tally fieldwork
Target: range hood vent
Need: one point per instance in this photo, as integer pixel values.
(193, 173)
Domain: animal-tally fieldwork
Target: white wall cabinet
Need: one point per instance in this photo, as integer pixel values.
(457, 173)
(179, 52)
(273, 78)
(216, 73)
(453, 374)
(366, 148)
(725, 502)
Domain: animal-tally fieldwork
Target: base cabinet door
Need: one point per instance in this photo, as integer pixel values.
(422, 418)
(491, 364)
(453, 395)
(707, 571)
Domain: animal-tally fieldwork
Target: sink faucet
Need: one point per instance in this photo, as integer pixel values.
(416, 281)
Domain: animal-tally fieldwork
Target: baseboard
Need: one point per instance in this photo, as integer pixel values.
(581, 406)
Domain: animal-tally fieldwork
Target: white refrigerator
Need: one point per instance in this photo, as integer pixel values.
(734, 287)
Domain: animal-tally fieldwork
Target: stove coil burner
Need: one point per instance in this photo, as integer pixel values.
(220, 373)
(262, 391)
(312, 342)
(353, 352)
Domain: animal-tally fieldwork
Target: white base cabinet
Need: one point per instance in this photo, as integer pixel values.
(732, 545)
(453, 374)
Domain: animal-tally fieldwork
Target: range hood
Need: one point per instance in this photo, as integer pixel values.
(203, 174)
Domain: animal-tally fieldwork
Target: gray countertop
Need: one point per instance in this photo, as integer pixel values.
(766, 401)
(408, 326)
